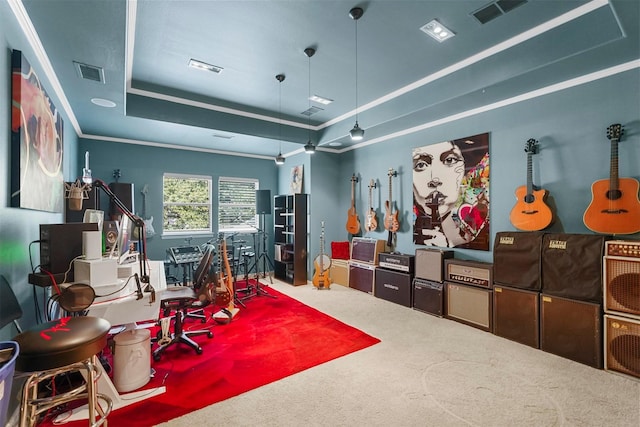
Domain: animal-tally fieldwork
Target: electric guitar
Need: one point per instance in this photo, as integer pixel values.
(391, 222)
(353, 222)
(530, 212)
(372, 221)
(322, 263)
(614, 207)
(148, 222)
(227, 314)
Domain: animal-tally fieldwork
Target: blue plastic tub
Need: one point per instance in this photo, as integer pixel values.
(7, 369)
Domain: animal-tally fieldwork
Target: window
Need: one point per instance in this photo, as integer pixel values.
(186, 204)
(237, 204)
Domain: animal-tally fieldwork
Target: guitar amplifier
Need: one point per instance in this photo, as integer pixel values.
(516, 315)
(516, 259)
(394, 286)
(339, 272)
(474, 273)
(428, 296)
(361, 276)
(571, 329)
(367, 250)
(622, 345)
(622, 278)
(469, 305)
(430, 263)
(572, 266)
(396, 261)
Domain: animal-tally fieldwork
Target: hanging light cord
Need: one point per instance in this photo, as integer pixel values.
(309, 111)
(356, 71)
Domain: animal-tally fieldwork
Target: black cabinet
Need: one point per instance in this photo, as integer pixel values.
(290, 234)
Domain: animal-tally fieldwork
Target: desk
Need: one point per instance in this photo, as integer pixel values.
(125, 309)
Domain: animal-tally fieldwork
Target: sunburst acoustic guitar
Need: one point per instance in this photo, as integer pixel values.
(615, 207)
(530, 212)
(353, 222)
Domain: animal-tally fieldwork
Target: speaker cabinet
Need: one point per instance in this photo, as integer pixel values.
(109, 234)
(622, 345)
(469, 305)
(263, 202)
(429, 263)
(60, 244)
(571, 329)
(339, 272)
(622, 278)
(124, 192)
(516, 315)
(516, 259)
(367, 250)
(394, 286)
(361, 276)
(428, 296)
(572, 266)
(474, 273)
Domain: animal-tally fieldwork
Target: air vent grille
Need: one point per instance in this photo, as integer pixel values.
(495, 9)
(311, 110)
(89, 72)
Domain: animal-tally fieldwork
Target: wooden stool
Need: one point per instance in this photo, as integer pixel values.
(66, 345)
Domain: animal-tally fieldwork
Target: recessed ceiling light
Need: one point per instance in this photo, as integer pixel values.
(438, 31)
(199, 65)
(320, 99)
(103, 102)
(335, 144)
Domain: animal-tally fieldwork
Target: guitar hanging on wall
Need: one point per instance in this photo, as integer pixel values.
(530, 212)
(322, 264)
(372, 222)
(391, 223)
(353, 222)
(614, 207)
(148, 221)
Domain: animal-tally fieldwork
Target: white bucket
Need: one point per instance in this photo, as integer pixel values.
(132, 359)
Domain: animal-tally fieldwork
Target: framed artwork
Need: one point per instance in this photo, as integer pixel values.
(296, 179)
(36, 142)
(451, 193)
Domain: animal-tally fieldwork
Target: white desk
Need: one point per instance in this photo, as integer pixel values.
(125, 309)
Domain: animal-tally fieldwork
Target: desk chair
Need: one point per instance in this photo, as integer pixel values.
(63, 346)
(185, 301)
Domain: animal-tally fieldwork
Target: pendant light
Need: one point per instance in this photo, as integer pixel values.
(280, 158)
(357, 133)
(309, 147)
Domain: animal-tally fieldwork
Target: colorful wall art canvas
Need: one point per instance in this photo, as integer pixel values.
(36, 142)
(451, 193)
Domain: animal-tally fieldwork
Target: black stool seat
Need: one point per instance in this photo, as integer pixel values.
(61, 342)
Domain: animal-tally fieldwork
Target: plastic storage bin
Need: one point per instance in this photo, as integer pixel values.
(11, 350)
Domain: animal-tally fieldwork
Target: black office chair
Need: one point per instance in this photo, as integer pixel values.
(63, 346)
(183, 302)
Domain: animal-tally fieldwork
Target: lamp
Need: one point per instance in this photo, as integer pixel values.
(309, 147)
(357, 133)
(280, 158)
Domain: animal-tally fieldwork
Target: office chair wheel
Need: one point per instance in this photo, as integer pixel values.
(210, 334)
(199, 350)
(156, 357)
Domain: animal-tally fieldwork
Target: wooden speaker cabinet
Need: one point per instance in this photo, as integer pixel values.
(474, 273)
(571, 329)
(622, 278)
(367, 250)
(469, 305)
(394, 286)
(339, 272)
(429, 263)
(428, 296)
(516, 315)
(622, 345)
(516, 259)
(361, 276)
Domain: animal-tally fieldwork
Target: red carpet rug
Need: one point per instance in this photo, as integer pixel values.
(268, 340)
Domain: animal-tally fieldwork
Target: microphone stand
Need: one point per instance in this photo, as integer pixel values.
(139, 223)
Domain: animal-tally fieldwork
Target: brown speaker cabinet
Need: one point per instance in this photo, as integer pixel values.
(339, 272)
(429, 263)
(362, 276)
(622, 286)
(622, 345)
(516, 315)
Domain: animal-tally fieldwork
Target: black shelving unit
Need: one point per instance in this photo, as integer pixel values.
(290, 233)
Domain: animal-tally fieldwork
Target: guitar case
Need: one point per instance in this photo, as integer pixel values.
(572, 266)
(517, 259)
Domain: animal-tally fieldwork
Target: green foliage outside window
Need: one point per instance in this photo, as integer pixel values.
(186, 204)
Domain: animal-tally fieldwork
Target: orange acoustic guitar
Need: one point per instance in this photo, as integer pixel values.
(530, 212)
(322, 264)
(353, 222)
(391, 222)
(614, 208)
(372, 221)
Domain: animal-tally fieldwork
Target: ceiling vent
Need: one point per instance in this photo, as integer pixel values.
(495, 9)
(311, 110)
(89, 72)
